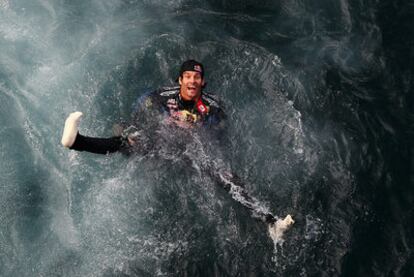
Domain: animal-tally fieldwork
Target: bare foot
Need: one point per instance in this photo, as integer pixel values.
(277, 229)
(71, 129)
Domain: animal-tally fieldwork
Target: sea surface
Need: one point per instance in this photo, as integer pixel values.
(320, 110)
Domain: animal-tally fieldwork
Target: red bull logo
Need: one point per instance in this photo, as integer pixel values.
(198, 68)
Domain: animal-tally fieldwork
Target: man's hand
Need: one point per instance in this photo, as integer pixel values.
(131, 134)
(132, 140)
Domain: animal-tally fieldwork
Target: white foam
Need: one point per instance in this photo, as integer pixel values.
(4, 4)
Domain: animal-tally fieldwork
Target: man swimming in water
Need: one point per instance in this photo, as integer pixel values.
(186, 106)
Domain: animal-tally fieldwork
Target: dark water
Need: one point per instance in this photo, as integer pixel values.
(320, 106)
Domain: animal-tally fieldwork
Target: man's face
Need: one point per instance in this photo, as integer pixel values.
(191, 84)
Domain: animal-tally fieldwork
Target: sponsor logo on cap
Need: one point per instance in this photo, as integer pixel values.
(197, 68)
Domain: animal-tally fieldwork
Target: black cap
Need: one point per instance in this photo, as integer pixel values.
(191, 65)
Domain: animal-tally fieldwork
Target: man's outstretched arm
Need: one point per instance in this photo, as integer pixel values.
(276, 226)
(234, 185)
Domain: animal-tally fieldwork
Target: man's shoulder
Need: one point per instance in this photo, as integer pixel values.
(158, 97)
(167, 91)
(211, 99)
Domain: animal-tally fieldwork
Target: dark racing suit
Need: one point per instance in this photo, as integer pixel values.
(166, 106)
(160, 105)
